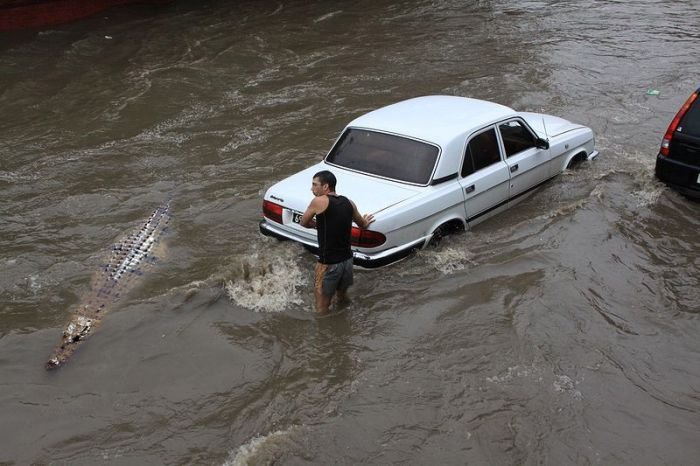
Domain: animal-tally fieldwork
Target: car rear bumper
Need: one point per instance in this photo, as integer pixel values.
(362, 259)
(679, 176)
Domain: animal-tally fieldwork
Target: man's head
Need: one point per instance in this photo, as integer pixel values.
(323, 183)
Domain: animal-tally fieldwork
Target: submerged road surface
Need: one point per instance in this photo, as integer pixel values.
(564, 331)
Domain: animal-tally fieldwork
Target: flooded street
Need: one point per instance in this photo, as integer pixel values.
(563, 331)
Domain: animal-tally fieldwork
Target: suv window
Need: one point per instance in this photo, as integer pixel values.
(385, 155)
(481, 152)
(691, 121)
(516, 137)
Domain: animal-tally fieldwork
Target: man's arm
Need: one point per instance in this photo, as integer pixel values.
(362, 221)
(317, 206)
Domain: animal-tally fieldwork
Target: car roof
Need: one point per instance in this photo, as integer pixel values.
(436, 118)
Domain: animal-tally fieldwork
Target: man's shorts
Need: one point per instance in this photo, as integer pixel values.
(333, 277)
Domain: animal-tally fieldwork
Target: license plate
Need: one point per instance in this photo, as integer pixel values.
(296, 217)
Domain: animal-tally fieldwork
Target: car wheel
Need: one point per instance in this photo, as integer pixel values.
(438, 234)
(578, 158)
(444, 230)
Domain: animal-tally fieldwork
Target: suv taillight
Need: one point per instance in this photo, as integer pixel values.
(272, 211)
(366, 238)
(666, 141)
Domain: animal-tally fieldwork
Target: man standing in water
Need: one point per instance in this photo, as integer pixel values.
(334, 217)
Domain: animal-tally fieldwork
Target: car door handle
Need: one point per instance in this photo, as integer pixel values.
(514, 168)
(469, 189)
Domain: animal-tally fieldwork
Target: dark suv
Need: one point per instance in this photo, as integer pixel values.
(678, 162)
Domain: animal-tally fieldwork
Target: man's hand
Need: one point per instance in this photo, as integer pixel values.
(310, 224)
(362, 221)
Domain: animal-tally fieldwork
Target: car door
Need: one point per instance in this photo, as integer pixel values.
(484, 176)
(528, 164)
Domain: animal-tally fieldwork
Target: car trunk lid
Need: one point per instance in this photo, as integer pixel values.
(370, 194)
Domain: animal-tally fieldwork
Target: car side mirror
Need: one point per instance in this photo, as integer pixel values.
(541, 143)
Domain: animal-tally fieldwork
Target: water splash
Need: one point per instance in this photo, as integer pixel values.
(564, 384)
(448, 260)
(561, 383)
(267, 449)
(637, 164)
(517, 372)
(33, 284)
(267, 284)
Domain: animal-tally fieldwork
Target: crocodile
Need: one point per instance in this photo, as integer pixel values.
(129, 259)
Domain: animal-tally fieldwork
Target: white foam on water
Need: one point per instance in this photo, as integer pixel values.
(448, 260)
(516, 372)
(639, 165)
(267, 282)
(14, 177)
(264, 449)
(188, 290)
(645, 189)
(562, 209)
(328, 16)
(649, 197)
(169, 130)
(562, 384)
(245, 137)
(598, 192)
(33, 284)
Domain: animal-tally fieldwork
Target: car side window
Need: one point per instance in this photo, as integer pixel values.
(516, 137)
(481, 152)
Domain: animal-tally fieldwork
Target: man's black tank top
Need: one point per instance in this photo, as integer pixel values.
(334, 226)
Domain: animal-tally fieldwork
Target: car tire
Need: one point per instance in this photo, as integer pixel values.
(577, 160)
(437, 236)
(444, 230)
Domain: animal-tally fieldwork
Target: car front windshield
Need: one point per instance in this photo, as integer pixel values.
(384, 155)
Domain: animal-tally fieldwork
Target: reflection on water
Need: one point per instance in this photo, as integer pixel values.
(561, 331)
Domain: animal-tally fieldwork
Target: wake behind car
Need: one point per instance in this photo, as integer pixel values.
(678, 161)
(428, 166)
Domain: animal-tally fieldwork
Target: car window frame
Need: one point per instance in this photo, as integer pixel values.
(390, 133)
(499, 145)
(502, 141)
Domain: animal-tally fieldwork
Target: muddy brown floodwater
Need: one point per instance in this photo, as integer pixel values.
(564, 331)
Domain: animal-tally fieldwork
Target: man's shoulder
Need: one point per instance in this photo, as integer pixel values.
(320, 203)
(348, 201)
(343, 199)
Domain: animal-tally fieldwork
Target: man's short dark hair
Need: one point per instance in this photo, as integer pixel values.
(326, 177)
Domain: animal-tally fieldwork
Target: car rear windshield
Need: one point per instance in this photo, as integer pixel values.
(385, 155)
(691, 120)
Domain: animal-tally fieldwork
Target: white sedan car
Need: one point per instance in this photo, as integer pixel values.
(428, 166)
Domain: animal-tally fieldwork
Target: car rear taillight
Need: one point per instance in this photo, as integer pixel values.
(272, 211)
(366, 238)
(666, 142)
